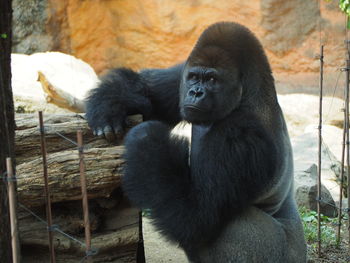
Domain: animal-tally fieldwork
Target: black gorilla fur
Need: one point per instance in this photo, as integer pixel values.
(234, 201)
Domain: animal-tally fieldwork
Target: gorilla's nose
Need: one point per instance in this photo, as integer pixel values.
(196, 92)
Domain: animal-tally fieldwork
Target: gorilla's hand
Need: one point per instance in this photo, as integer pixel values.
(120, 93)
(105, 122)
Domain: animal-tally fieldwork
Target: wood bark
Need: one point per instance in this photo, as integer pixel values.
(103, 173)
(115, 239)
(103, 160)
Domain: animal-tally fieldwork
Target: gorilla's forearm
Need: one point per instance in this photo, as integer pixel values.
(157, 176)
(163, 91)
(156, 167)
(120, 93)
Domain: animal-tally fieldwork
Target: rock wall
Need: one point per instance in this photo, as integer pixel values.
(159, 33)
(29, 26)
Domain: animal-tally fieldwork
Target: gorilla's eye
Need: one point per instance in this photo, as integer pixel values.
(193, 76)
(212, 80)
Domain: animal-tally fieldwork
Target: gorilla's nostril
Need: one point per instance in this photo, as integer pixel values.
(195, 93)
(192, 93)
(199, 93)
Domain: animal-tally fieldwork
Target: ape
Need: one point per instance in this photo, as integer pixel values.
(231, 200)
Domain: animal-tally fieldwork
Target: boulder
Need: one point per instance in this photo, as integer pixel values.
(306, 194)
(301, 111)
(305, 149)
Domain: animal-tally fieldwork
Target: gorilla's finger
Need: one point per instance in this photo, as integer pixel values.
(119, 132)
(119, 127)
(99, 132)
(109, 134)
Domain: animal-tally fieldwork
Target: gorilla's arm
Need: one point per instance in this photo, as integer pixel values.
(154, 93)
(191, 205)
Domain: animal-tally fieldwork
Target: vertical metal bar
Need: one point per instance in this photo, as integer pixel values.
(320, 156)
(46, 189)
(341, 182)
(347, 138)
(347, 119)
(84, 196)
(13, 212)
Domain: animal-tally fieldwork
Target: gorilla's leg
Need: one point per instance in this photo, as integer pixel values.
(253, 237)
(289, 217)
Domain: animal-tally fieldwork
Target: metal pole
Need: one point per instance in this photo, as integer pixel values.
(320, 156)
(341, 182)
(13, 212)
(347, 119)
(84, 196)
(347, 137)
(46, 189)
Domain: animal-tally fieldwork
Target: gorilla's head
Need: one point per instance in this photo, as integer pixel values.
(223, 72)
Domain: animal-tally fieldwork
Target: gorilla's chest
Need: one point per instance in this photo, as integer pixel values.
(197, 139)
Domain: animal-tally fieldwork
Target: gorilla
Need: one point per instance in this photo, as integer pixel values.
(226, 195)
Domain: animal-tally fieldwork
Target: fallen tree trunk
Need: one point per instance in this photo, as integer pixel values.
(116, 239)
(103, 165)
(103, 171)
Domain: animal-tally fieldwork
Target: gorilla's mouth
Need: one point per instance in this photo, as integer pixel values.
(195, 108)
(194, 114)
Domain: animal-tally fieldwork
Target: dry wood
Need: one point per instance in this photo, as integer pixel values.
(59, 97)
(117, 239)
(27, 138)
(103, 171)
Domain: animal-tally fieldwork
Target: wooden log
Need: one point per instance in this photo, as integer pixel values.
(116, 238)
(103, 170)
(59, 97)
(27, 138)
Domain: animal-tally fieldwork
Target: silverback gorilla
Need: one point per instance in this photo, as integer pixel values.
(229, 198)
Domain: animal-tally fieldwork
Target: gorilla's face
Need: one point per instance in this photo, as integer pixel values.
(209, 94)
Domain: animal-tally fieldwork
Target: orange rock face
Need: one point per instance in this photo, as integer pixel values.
(160, 33)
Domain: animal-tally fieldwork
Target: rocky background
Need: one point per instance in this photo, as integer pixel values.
(160, 33)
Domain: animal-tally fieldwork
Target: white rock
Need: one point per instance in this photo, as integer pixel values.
(24, 78)
(65, 72)
(302, 110)
(305, 149)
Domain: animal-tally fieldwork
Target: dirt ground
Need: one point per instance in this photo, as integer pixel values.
(157, 248)
(331, 255)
